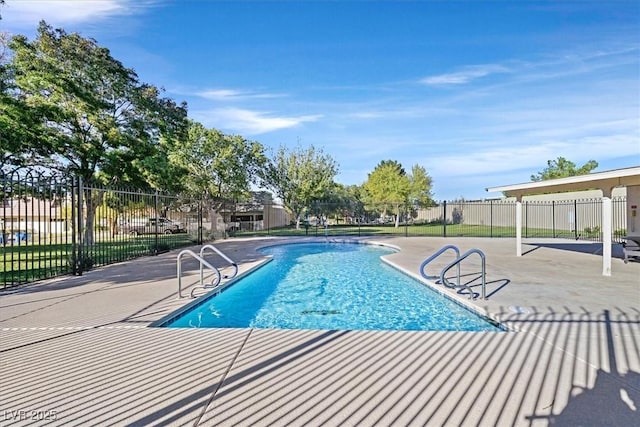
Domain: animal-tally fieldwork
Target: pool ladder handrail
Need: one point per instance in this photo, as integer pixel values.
(457, 262)
(202, 262)
(436, 255)
(226, 258)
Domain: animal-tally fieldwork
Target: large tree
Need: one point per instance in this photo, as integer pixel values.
(100, 121)
(219, 167)
(561, 168)
(339, 202)
(299, 177)
(21, 124)
(420, 187)
(388, 186)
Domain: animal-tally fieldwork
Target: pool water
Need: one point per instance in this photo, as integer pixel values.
(337, 286)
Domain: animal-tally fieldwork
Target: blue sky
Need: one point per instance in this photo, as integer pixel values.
(479, 93)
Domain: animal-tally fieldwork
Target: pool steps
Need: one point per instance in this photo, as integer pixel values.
(226, 258)
(217, 278)
(455, 263)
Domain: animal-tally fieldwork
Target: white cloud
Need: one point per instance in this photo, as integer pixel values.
(533, 156)
(367, 115)
(249, 122)
(21, 14)
(466, 75)
(548, 68)
(233, 94)
(218, 93)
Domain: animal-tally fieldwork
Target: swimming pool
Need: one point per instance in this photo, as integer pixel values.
(337, 286)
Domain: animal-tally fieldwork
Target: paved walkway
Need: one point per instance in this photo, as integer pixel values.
(77, 351)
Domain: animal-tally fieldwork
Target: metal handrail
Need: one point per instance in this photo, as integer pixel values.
(457, 262)
(202, 262)
(226, 258)
(436, 255)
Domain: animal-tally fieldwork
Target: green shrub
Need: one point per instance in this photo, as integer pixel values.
(592, 232)
(621, 232)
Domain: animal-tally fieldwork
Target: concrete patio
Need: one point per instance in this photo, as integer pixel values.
(78, 350)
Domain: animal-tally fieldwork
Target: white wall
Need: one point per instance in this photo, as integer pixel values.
(633, 220)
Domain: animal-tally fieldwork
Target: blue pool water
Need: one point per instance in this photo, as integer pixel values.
(333, 286)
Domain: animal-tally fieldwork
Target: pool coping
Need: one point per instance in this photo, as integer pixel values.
(204, 298)
(463, 302)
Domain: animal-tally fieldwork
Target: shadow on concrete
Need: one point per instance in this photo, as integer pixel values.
(592, 248)
(183, 407)
(614, 399)
(271, 390)
(474, 284)
(571, 367)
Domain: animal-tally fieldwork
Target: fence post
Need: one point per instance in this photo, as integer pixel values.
(200, 236)
(3, 236)
(553, 218)
(155, 207)
(406, 221)
(519, 228)
(74, 225)
(526, 219)
(575, 218)
(268, 218)
(606, 236)
(490, 218)
(444, 216)
(78, 256)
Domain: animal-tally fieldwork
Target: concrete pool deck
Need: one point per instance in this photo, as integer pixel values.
(77, 350)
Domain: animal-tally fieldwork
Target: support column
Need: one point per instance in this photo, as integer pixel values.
(518, 228)
(606, 236)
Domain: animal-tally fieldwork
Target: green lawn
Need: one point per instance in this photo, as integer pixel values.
(390, 229)
(26, 263)
(30, 261)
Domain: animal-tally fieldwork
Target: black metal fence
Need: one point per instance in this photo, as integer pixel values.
(52, 225)
(577, 219)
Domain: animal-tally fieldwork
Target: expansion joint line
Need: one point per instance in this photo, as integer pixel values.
(223, 379)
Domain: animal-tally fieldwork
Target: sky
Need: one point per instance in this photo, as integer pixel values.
(479, 93)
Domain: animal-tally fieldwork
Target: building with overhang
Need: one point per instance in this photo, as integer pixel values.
(605, 182)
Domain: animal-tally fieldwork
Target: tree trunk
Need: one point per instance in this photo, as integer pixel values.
(93, 197)
(113, 222)
(397, 216)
